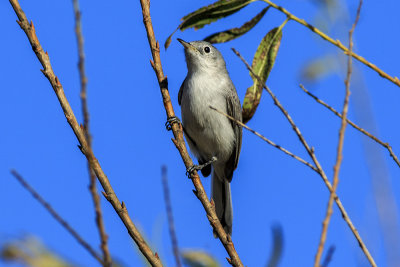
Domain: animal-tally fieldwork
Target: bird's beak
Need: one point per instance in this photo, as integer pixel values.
(187, 45)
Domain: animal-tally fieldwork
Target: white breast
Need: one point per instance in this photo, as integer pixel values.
(211, 131)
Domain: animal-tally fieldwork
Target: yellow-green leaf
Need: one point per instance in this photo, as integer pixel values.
(228, 35)
(31, 252)
(197, 258)
(263, 62)
(208, 14)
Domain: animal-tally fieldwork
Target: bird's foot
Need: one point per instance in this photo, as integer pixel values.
(193, 168)
(171, 121)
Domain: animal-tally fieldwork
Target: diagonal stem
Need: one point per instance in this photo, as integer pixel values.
(337, 43)
(170, 216)
(287, 152)
(180, 142)
(56, 216)
(355, 126)
(339, 153)
(110, 195)
(86, 127)
(321, 172)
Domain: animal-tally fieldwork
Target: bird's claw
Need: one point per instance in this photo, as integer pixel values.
(193, 168)
(170, 121)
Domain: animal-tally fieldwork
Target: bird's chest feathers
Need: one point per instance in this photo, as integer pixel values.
(211, 131)
(201, 92)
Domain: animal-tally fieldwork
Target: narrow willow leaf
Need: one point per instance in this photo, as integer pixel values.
(277, 246)
(228, 35)
(319, 68)
(263, 62)
(197, 258)
(208, 14)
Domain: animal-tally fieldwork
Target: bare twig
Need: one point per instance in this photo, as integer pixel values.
(355, 126)
(180, 142)
(56, 216)
(339, 153)
(92, 186)
(110, 195)
(171, 225)
(321, 172)
(337, 43)
(310, 150)
(267, 140)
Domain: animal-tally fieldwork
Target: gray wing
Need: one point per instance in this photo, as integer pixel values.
(234, 109)
(180, 92)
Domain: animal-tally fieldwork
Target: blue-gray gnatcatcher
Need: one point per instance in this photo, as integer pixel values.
(212, 137)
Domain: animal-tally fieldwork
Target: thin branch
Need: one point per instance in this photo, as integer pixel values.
(86, 127)
(267, 140)
(376, 139)
(56, 216)
(337, 43)
(110, 195)
(310, 150)
(180, 142)
(321, 172)
(339, 153)
(171, 225)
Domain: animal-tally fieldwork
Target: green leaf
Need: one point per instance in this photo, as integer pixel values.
(263, 62)
(208, 14)
(228, 35)
(197, 258)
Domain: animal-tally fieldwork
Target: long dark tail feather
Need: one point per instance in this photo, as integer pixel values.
(221, 194)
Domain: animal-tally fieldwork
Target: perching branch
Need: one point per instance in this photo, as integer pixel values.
(170, 216)
(337, 43)
(110, 195)
(376, 139)
(56, 216)
(180, 142)
(321, 172)
(339, 153)
(92, 185)
(287, 152)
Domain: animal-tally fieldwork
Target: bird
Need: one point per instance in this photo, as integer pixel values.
(214, 139)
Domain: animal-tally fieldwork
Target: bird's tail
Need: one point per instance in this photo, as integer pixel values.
(221, 194)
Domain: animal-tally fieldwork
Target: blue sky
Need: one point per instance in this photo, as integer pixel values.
(131, 143)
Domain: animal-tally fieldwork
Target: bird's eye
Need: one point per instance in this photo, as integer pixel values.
(207, 49)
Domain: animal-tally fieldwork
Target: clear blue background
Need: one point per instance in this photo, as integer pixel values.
(131, 143)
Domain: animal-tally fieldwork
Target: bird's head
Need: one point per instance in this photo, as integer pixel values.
(202, 56)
